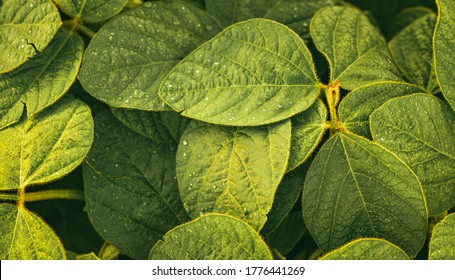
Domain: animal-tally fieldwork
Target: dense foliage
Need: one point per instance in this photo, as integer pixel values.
(233, 129)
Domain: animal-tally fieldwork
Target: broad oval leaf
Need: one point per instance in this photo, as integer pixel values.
(252, 73)
(356, 108)
(26, 27)
(212, 237)
(367, 249)
(355, 188)
(355, 49)
(308, 128)
(444, 44)
(412, 51)
(131, 191)
(442, 243)
(46, 146)
(25, 236)
(161, 127)
(91, 10)
(129, 57)
(420, 129)
(233, 170)
(42, 80)
(405, 17)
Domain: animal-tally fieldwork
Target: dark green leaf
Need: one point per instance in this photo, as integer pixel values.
(442, 243)
(91, 10)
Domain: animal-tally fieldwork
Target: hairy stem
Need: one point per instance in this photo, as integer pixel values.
(23, 197)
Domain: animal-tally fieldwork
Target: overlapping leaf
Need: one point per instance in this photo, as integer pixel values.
(129, 57)
(131, 190)
(442, 243)
(220, 83)
(355, 188)
(26, 27)
(420, 129)
(25, 236)
(355, 49)
(91, 10)
(212, 237)
(232, 170)
(405, 17)
(413, 53)
(444, 44)
(42, 80)
(45, 147)
(367, 249)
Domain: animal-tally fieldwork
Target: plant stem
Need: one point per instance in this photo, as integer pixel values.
(332, 94)
(133, 3)
(8, 197)
(22, 197)
(84, 29)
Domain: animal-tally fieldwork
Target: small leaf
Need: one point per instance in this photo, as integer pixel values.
(356, 107)
(367, 249)
(108, 252)
(42, 80)
(25, 236)
(91, 10)
(405, 17)
(161, 127)
(45, 147)
(233, 170)
(442, 243)
(212, 237)
(26, 27)
(87, 257)
(252, 73)
(412, 51)
(355, 49)
(129, 57)
(444, 44)
(355, 188)
(131, 191)
(420, 129)
(287, 234)
(308, 128)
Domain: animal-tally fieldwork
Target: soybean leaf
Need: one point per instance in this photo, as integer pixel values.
(308, 128)
(212, 237)
(91, 10)
(161, 127)
(131, 191)
(444, 44)
(295, 14)
(367, 249)
(108, 252)
(355, 49)
(46, 146)
(443, 239)
(233, 170)
(412, 51)
(26, 27)
(355, 188)
(420, 129)
(25, 236)
(356, 107)
(252, 73)
(405, 17)
(287, 234)
(81, 257)
(129, 57)
(42, 80)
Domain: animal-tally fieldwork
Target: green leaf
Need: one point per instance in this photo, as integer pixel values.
(233, 170)
(87, 257)
(287, 234)
(108, 252)
(443, 239)
(367, 249)
(212, 237)
(129, 57)
(91, 10)
(42, 80)
(356, 107)
(444, 44)
(46, 146)
(25, 236)
(412, 51)
(405, 17)
(308, 128)
(252, 73)
(420, 129)
(161, 127)
(295, 14)
(26, 27)
(355, 49)
(131, 191)
(355, 188)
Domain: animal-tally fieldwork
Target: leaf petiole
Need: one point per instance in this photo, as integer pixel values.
(43, 195)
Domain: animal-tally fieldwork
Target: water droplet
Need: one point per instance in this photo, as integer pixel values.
(169, 85)
(184, 142)
(184, 154)
(31, 5)
(216, 63)
(186, 206)
(209, 27)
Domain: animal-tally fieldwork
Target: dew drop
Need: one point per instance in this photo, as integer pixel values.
(184, 142)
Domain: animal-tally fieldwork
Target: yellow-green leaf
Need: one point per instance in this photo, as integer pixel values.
(91, 10)
(442, 243)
